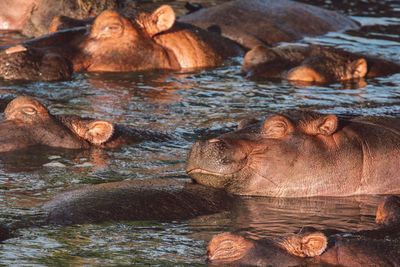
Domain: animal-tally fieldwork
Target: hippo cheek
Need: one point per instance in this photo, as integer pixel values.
(215, 163)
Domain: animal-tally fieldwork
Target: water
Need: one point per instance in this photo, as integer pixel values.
(188, 106)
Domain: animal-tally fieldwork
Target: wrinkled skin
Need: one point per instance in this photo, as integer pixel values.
(308, 247)
(313, 64)
(33, 17)
(267, 22)
(120, 41)
(28, 123)
(302, 154)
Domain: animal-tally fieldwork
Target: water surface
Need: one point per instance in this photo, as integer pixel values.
(189, 106)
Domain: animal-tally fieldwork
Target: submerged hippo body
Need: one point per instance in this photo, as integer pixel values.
(28, 123)
(256, 22)
(377, 247)
(302, 154)
(313, 64)
(121, 41)
(138, 200)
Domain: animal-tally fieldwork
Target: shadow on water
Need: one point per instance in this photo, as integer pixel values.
(188, 106)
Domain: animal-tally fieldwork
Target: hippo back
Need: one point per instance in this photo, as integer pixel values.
(255, 22)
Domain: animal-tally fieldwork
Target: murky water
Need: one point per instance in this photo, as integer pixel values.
(189, 106)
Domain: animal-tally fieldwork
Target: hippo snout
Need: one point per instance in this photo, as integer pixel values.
(213, 162)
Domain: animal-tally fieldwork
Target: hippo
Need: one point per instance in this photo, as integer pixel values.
(26, 123)
(313, 63)
(153, 199)
(376, 247)
(33, 17)
(137, 200)
(268, 22)
(300, 153)
(118, 41)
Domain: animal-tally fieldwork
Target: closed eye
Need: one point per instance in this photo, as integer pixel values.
(29, 110)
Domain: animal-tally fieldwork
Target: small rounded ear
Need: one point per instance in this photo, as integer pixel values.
(305, 74)
(246, 122)
(359, 68)
(98, 132)
(328, 125)
(162, 19)
(227, 247)
(313, 244)
(277, 127)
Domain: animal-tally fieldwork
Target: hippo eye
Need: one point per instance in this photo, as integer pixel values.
(29, 111)
(113, 28)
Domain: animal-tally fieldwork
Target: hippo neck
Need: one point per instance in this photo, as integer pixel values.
(195, 48)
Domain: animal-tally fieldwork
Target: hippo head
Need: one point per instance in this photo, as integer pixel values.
(26, 122)
(124, 42)
(284, 251)
(304, 63)
(292, 154)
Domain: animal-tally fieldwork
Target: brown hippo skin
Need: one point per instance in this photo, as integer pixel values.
(313, 63)
(258, 22)
(302, 154)
(119, 42)
(138, 200)
(33, 17)
(376, 247)
(28, 123)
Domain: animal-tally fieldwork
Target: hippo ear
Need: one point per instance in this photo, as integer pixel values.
(328, 125)
(359, 68)
(304, 245)
(305, 74)
(98, 132)
(313, 244)
(162, 19)
(277, 127)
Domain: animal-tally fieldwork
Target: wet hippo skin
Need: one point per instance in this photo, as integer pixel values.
(26, 123)
(301, 154)
(161, 200)
(313, 63)
(256, 22)
(376, 247)
(118, 41)
(33, 17)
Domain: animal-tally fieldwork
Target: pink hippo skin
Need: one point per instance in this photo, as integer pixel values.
(302, 154)
(309, 247)
(122, 41)
(28, 123)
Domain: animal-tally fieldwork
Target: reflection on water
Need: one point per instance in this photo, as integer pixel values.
(188, 106)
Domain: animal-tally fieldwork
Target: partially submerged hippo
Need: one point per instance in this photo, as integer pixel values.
(28, 123)
(33, 17)
(136, 200)
(313, 63)
(378, 247)
(118, 41)
(302, 154)
(258, 22)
